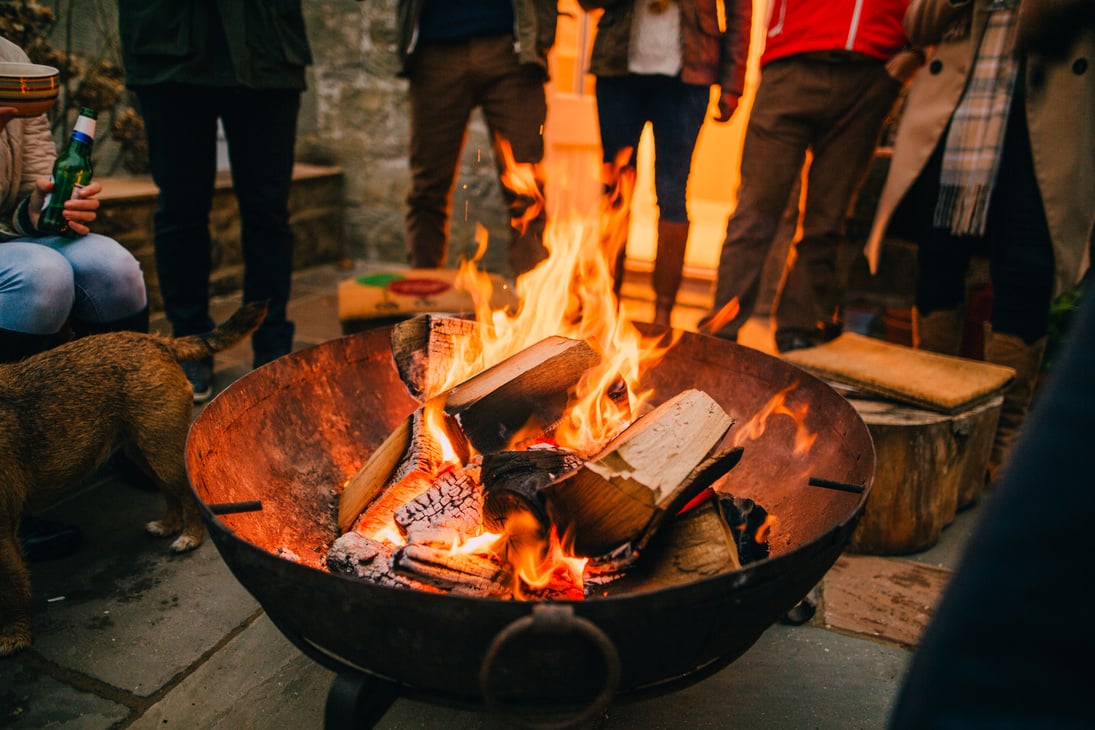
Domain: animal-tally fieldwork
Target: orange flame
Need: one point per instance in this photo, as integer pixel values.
(570, 294)
(722, 317)
(755, 427)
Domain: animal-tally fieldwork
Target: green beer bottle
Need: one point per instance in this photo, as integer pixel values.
(71, 171)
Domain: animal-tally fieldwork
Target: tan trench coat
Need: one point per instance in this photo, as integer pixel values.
(1060, 108)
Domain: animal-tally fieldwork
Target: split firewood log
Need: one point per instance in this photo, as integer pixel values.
(644, 472)
(409, 449)
(529, 387)
(425, 348)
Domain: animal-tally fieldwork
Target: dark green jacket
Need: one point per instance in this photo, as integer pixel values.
(184, 41)
(709, 54)
(535, 30)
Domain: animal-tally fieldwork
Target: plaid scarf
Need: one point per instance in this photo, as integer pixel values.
(971, 157)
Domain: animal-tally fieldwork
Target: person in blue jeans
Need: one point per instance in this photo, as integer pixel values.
(242, 62)
(53, 287)
(655, 62)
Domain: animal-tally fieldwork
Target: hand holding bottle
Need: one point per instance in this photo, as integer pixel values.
(79, 210)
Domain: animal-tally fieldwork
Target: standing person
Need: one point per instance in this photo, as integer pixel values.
(53, 287)
(243, 62)
(490, 54)
(997, 150)
(830, 73)
(656, 61)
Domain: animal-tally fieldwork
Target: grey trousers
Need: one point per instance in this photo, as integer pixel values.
(834, 109)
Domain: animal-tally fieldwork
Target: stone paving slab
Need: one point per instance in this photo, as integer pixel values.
(882, 597)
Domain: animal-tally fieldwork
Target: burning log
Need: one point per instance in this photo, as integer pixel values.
(424, 349)
(512, 481)
(454, 501)
(355, 555)
(529, 387)
(618, 496)
(409, 449)
(696, 544)
(458, 572)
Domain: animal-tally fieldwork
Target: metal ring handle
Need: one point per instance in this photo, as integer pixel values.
(554, 620)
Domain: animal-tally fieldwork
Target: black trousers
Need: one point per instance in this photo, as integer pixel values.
(260, 128)
(1016, 240)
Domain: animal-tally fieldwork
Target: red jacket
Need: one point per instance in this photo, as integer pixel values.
(872, 27)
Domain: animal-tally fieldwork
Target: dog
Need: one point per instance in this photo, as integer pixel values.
(63, 412)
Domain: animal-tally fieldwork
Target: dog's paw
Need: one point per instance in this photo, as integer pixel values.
(14, 639)
(160, 528)
(185, 543)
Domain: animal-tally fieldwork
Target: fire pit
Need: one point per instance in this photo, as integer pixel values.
(285, 437)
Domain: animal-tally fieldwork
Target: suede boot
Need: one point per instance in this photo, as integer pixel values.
(939, 331)
(668, 268)
(1026, 360)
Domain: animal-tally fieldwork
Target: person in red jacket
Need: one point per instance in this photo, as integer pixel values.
(831, 71)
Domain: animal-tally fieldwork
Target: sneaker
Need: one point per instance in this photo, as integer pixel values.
(200, 375)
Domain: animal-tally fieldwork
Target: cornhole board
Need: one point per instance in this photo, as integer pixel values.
(386, 295)
(932, 418)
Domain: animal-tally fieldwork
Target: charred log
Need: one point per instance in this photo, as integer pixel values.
(513, 480)
(355, 555)
(463, 573)
(454, 501)
(749, 523)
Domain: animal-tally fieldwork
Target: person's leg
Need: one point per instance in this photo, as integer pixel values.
(36, 298)
(676, 115)
(182, 159)
(260, 127)
(809, 309)
(441, 103)
(1021, 266)
(110, 287)
(621, 117)
(776, 140)
(514, 105)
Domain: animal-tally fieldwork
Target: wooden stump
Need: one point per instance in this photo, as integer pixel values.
(928, 466)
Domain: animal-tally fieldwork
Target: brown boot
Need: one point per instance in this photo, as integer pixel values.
(668, 268)
(939, 331)
(1026, 360)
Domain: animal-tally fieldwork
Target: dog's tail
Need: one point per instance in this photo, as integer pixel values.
(243, 322)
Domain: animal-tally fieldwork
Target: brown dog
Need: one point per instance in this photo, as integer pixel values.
(64, 411)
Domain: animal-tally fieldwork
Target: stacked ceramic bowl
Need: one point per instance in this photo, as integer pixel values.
(28, 87)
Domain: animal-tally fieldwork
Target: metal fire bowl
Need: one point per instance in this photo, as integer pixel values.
(291, 433)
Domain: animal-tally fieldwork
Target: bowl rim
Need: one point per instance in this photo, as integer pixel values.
(17, 69)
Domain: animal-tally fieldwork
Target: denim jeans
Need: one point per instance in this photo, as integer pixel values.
(260, 127)
(44, 281)
(674, 109)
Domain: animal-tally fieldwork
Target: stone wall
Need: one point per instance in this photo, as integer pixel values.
(354, 116)
(315, 214)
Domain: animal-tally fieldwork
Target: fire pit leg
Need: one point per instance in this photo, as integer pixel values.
(358, 701)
